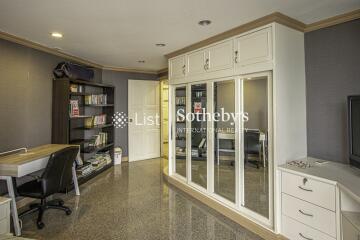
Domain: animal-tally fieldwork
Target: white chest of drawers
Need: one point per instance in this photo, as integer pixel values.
(321, 202)
(308, 208)
(4, 215)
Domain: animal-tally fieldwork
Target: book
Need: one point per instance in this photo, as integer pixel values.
(197, 107)
(74, 108)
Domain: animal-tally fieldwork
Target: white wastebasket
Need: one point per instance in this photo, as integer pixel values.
(117, 155)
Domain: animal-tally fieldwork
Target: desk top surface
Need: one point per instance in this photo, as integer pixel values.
(344, 175)
(31, 155)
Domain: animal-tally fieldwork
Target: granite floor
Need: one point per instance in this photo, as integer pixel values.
(132, 201)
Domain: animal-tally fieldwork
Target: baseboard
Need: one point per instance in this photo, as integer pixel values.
(125, 159)
(234, 216)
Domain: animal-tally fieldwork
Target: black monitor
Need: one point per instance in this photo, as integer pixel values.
(354, 130)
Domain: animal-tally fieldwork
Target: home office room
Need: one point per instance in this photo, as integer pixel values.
(180, 119)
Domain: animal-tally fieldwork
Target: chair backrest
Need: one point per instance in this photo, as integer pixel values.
(251, 141)
(58, 172)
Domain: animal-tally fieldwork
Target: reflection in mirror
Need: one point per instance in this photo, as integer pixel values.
(255, 135)
(180, 131)
(199, 135)
(224, 144)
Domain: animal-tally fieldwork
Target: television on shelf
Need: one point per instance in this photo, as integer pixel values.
(354, 129)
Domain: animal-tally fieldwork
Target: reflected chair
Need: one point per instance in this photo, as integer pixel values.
(252, 146)
(56, 178)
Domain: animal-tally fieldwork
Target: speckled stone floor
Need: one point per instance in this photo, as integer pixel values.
(132, 201)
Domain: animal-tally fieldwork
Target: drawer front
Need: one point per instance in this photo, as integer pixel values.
(319, 218)
(295, 230)
(310, 190)
(4, 210)
(4, 226)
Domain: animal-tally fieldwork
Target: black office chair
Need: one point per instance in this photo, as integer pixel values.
(252, 146)
(56, 177)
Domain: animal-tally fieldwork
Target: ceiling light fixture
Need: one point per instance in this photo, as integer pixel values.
(204, 22)
(141, 61)
(56, 35)
(160, 44)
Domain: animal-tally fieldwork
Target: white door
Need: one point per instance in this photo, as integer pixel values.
(144, 121)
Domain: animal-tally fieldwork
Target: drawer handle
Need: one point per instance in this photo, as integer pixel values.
(306, 214)
(307, 238)
(305, 189)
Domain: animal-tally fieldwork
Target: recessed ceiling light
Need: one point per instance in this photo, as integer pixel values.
(204, 22)
(141, 61)
(56, 35)
(160, 44)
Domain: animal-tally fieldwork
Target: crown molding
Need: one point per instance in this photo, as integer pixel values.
(27, 43)
(37, 46)
(164, 70)
(274, 17)
(133, 70)
(346, 17)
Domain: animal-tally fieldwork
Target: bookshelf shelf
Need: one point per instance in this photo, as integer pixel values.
(97, 149)
(73, 130)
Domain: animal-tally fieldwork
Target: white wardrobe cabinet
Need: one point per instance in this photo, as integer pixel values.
(177, 67)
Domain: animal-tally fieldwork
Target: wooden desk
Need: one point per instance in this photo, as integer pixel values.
(21, 164)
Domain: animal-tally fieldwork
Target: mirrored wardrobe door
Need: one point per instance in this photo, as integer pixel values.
(255, 134)
(225, 141)
(180, 130)
(199, 134)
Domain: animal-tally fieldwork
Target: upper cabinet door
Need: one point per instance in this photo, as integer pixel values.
(220, 56)
(196, 62)
(177, 67)
(253, 48)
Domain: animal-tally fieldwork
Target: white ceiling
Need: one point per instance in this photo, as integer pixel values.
(118, 33)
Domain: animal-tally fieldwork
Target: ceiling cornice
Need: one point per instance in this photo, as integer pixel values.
(56, 52)
(346, 17)
(274, 17)
(133, 70)
(43, 48)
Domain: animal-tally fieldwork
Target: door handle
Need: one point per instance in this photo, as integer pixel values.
(130, 120)
(304, 213)
(307, 238)
(305, 189)
(206, 66)
(183, 69)
(236, 56)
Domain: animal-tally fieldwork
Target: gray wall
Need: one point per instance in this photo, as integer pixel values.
(120, 81)
(26, 95)
(332, 73)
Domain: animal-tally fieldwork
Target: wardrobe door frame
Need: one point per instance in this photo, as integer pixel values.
(172, 116)
(268, 222)
(233, 205)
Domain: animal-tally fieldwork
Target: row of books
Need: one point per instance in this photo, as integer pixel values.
(99, 139)
(75, 88)
(95, 120)
(95, 99)
(95, 163)
(180, 100)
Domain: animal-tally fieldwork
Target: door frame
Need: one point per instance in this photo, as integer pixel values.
(128, 111)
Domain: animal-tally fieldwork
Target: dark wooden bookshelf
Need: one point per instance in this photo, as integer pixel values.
(72, 130)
